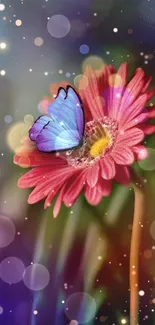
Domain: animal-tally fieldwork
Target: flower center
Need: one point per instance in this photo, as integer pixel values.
(98, 139)
(99, 146)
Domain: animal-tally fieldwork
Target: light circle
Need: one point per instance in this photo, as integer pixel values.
(148, 163)
(80, 306)
(12, 270)
(81, 81)
(36, 277)
(58, 26)
(7, 231)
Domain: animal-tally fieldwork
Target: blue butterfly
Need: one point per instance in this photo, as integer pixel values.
(64, 129)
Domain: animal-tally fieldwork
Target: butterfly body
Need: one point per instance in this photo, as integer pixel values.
(63, 129)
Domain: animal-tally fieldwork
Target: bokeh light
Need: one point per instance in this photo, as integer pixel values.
(15, 134)
(84, 49)
(115, 80)
(94, 61)
(38, 41)
(81, 81)
(58, 26)
(148, 163)
(8, 119)
(3, 45)
(80, 306)
(36, 277)
(43, 106)
(73, 322)
(2, 7)
(18, 22)
(7, 231)
(12, 270)
(28, 119)
(1, 310)
(2, 72)
(141, 293)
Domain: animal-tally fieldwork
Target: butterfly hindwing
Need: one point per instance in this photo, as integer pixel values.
(38, 126)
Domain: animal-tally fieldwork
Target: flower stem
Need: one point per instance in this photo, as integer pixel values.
(140, 211)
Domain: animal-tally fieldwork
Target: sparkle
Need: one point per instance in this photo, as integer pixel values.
(35, 312)
(63, 301)
(141, 293)
(115, 30)
(18, 22)
(123, 321)
(2, 72)
(46, 73)
(2, 6)
(3, 46)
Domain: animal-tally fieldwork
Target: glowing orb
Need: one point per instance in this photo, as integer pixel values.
(3, 45)
(15, 134)
(7, 231)
(84, 49)
(148, 163)
(38, 41)
(12, 270)
(2, 6)
(28, 119)
(80, 306)
(36, 277)
(58, 26)
(94, 61)
(81, 81)
(18, 22)
(2, 72)
(141, 293)
(1, 310)
(8, 119)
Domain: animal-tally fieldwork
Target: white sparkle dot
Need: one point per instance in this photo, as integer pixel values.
(46, 73)
(141, 293)
(18, 22)
(123, 321)
(2, 72)
(115, 30)
(35, 312)
(2, 6)
(2, 46)
(63, 301)
(30, 70)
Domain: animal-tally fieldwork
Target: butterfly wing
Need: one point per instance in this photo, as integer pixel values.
(55, 137)
(37, 127)
(67, 108)
(65, 129)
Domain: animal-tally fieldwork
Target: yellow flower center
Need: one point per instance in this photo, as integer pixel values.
(99, 146)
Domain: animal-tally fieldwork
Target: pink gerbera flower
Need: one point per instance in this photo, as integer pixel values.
(116, 123)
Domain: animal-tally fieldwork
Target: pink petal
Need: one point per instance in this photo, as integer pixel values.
(92, 195)
(58, 202)
(122, 175)
(130, 137)
(132, 91)
(134, 110)
(45, 188)
(138, 120)
(122, 156)
(148, 129)
(92, 175)
(41, 174)
(107, 167)
(104, 186)
(91, 92)
(118, 91)
(75, 186)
